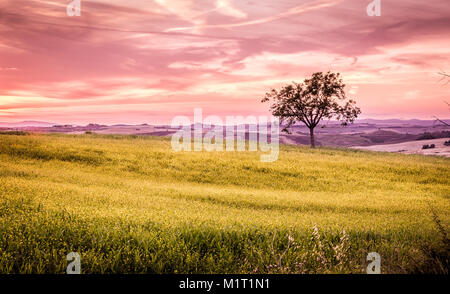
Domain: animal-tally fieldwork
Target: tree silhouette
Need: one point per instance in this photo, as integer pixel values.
(319, 97)
(443, 73)
(444, 76)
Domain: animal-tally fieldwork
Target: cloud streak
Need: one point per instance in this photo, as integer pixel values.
(291, 12)
(148, 61)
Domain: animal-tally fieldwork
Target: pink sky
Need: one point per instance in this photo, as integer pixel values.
(139, 61)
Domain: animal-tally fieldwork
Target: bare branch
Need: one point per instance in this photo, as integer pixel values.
(441, 121)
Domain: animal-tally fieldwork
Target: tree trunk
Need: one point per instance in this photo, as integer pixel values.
(311, 136)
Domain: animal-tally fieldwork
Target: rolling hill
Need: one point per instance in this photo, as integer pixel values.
(129, 204)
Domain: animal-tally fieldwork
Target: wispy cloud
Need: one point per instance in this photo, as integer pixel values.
(313, 5)
(146, 60)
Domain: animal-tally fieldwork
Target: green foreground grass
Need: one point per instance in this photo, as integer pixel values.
(129, 204)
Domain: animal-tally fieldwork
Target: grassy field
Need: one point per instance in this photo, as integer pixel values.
(130, 204)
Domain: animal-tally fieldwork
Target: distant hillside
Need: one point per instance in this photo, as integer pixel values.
(417, 122)
(30, 123)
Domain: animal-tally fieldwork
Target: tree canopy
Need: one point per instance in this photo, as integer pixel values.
(320, 97)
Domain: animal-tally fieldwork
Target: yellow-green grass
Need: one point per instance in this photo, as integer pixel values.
(130, 204)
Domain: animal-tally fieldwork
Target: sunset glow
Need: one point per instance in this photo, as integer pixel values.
(148, 61)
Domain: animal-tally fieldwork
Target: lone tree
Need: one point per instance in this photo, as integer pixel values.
(444, 76)
(319, 97)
